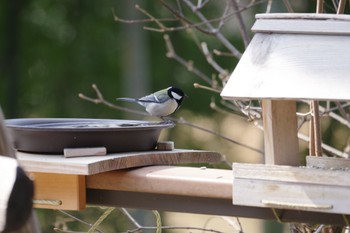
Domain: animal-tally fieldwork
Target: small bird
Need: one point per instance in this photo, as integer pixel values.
(161, 103)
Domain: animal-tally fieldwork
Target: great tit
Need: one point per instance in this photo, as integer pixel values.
(161, 103)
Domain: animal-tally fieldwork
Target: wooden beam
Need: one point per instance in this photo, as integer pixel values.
(186, 189)
(287, 187)
(280, 132)
(182, 181)
(59, 191)
(199, 205)
(302, 23)
(332, 163)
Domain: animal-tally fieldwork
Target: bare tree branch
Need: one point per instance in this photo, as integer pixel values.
(241, 24)
(188, 64)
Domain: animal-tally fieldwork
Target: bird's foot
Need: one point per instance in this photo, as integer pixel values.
(166, 120)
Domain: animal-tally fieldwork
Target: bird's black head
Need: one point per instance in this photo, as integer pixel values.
(176, 94)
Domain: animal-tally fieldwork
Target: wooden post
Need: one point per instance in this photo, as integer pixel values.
(280, 132)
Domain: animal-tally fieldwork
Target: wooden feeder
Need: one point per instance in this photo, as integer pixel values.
(292, 57)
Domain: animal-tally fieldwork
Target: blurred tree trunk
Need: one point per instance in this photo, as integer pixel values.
(136, 74)
(11, 30)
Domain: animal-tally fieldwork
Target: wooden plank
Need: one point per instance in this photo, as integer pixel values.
(328, 162)
(302, 26)
(288, 187)
(292, 66)
(184, 181)
(185, 189)
(199, 205)
(59, 191)
(308, 16)
(280, 132)
(98, 164)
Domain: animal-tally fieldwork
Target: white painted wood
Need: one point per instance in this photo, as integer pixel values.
(302, 27)
(8, 174)
(307, 16)
(292, 66)
(291, 188)
(98, 164)
(328, 162)
(303, 24)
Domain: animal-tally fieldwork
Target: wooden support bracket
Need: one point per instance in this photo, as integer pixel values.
(59, 191)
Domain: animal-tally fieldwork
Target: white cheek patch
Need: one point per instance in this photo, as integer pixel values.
(176, 96)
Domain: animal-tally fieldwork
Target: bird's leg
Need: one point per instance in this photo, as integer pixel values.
(166, 121)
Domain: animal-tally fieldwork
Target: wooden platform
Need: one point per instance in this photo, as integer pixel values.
(60, 183)
(97, 164)
(167, 188)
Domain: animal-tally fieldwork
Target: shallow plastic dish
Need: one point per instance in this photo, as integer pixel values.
(53, 135)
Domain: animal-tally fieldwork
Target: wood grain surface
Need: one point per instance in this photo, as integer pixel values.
(97, 164)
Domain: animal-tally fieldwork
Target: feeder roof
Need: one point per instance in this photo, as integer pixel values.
(294, 56)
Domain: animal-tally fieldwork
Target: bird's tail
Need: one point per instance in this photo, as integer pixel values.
(127, 99)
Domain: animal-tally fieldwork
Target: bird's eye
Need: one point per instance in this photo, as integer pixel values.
(176, 96)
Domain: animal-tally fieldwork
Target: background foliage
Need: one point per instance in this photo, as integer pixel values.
(52, 50)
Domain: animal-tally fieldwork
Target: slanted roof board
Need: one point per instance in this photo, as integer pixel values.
(293, 65)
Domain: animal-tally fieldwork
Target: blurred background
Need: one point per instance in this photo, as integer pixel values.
(50, 51)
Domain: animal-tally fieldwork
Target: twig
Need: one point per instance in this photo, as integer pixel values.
(319, 228)
(224, 73)
(342, 111)
(66, 231)
(315, 133)
(135, 21)
(218, 34)
(223, 17)
(219, 53)
(201, 4)
(268, 6)
(129, 216)
(78, 219)
(328, 109)
(241, 24)
(100, 100)
(210, 31)
(288, 6)
(100, 219)
(326, 148)
(317, 141)
(184, 122)
(197, 85)
(183, 228)
(188, 64)
(341, 7)
(319, 6)
(139, 227)
(330, 113)
(151, 17)
(158, 221)
(236, 225)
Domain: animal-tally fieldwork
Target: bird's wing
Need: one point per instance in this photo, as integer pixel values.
(128, 99)
(157, 97)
